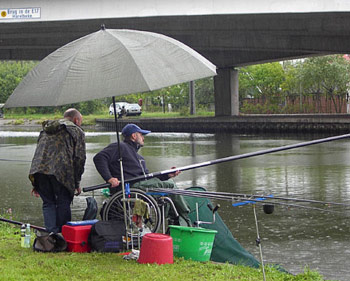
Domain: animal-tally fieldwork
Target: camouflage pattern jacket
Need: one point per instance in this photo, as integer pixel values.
(60, 152)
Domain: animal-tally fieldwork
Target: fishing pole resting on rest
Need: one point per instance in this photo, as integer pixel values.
(221, 160)
(243, 198)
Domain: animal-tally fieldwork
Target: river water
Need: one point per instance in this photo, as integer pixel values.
(293, 237)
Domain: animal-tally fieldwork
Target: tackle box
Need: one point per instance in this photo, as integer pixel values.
(77, 237)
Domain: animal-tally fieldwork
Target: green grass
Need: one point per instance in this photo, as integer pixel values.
(91, 118)
(17, 263)
(28, 116)
(39, 118)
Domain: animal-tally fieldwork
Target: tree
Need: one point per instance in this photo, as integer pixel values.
(205, 92)
(291, 86)
(262, 82)
(327, 75)
(291, 82)
(11, 74)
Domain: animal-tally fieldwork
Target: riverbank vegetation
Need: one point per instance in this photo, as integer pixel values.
(89, 119)
(311, 85)
(24, 264)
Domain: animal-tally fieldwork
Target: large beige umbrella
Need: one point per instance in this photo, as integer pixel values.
(109, 63)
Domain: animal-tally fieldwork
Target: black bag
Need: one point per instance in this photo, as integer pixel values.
(49, 242)
(91, 209)
(107, 236)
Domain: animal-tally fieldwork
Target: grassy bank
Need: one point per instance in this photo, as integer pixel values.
(21, 119)
(24, 264)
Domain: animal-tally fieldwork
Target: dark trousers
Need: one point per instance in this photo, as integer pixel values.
(56, 202)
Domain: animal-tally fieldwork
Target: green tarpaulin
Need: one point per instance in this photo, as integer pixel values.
(226, 248)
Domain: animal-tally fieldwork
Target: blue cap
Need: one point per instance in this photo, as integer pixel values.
(129, 129)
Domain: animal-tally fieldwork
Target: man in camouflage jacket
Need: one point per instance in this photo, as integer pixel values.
(57, 167)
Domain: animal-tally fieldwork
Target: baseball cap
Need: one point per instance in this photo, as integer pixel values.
(132, 128)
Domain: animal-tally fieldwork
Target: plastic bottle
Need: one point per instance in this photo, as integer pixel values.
(23, 235)
(27, 236)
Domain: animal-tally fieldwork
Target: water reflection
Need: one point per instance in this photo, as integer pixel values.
(293, 237)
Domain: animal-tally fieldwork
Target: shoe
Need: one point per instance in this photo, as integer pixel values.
(134, 255)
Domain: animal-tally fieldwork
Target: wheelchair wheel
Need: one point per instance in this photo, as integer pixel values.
(114, 209)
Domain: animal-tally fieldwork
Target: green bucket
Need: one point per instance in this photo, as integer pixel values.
(193, 243)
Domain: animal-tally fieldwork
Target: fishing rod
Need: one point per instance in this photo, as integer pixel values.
(270, 199)
(221, 160)
(14, 160)
(248, 196)
(20, 223)
(246, 200)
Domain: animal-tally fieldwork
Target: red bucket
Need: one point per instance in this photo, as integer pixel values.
(156, 248)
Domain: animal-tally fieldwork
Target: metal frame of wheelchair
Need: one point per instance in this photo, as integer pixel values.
(156, 204)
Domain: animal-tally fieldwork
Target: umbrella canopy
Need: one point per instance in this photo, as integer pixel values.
(108, 63)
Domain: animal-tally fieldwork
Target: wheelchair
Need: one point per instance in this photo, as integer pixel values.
(157, 208)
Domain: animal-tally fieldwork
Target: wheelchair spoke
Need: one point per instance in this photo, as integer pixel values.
(114, 209)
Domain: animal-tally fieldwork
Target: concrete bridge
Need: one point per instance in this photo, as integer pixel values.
(229, 33)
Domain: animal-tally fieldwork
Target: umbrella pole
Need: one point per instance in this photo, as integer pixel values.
(121, 173)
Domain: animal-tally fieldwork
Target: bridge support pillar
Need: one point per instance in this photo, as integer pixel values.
(226, 92)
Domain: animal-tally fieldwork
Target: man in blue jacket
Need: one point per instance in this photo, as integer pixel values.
(134, 165)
